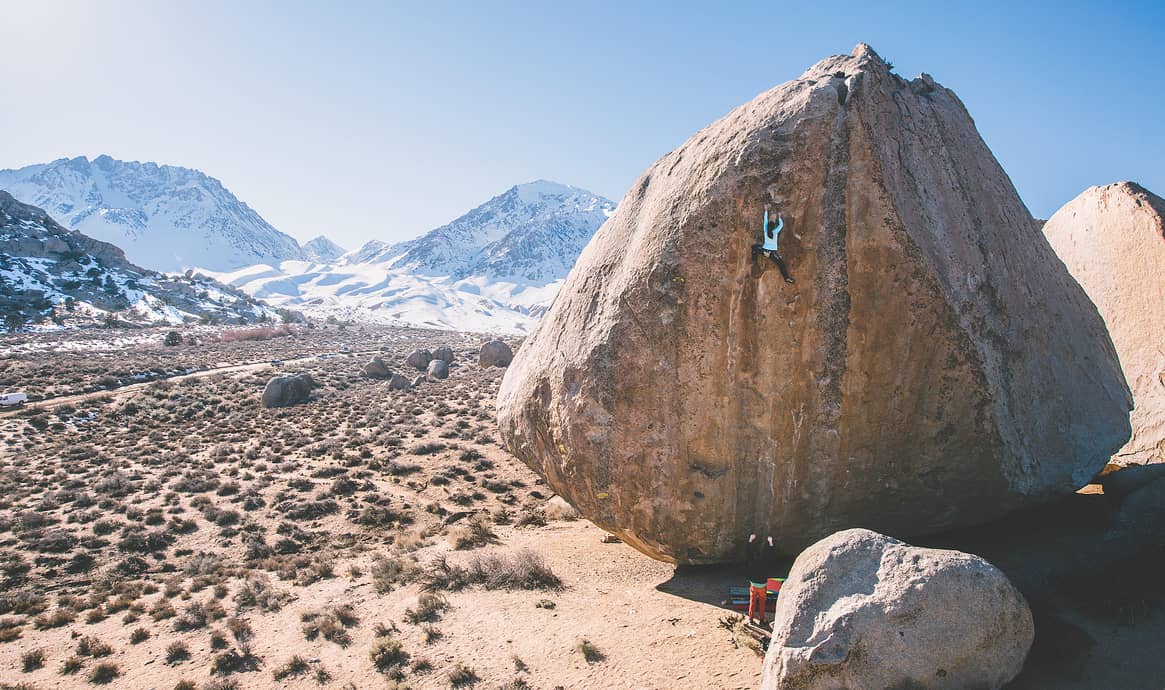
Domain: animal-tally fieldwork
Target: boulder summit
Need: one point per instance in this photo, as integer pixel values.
(1112, 239)
(932, 365)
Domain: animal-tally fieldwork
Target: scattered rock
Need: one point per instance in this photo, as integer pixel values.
(438, 369)
(398, 383)
(419, 359)
(377, 369)
(862, 610)
(495, 353)
(1112, 239)
(419, 380)
(292, 389)
(444, 354)
(914, 378)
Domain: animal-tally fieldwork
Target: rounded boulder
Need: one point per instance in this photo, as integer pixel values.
(437, 370)
(495, 353)
(419, 359)
(862, 610)
(283, 391)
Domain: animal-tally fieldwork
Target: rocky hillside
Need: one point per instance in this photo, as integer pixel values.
(932, 365)
(496, 268)
(49, 274)
(164, 217)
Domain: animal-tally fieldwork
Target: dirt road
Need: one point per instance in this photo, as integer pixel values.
(51, 403)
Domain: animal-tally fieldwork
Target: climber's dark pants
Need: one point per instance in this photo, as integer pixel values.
(759, 249)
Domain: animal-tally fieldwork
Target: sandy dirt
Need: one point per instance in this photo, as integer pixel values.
(88, 474)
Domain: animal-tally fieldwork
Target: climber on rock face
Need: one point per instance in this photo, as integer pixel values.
(769, 232)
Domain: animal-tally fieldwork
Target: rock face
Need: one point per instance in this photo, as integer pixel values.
(1112, 239)
(166, 218)
(862, 610)
(495, 353)
(282, 391)
(444, 353)
(933, 365)
(377, 369)
(419, 359)
(437, 370)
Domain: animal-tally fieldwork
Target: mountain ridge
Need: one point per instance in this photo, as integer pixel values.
(48, 272)
(495, 268)
(164, 217)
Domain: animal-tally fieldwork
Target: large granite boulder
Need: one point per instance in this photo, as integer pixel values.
(292, 389)
(1112, 239)
(933, 365)
(862, 610)
(495, 353)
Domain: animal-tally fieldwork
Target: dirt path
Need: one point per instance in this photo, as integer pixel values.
(51, 403)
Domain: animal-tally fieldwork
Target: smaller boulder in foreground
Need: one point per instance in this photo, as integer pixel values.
(437, 370)
(419, 359)
(862, 610)
(495, 353)
(292, 389)
(398, 383)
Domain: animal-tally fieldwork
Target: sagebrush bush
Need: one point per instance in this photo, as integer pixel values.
(388, 653)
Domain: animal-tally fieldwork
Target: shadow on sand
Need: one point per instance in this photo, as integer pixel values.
(1090, 573)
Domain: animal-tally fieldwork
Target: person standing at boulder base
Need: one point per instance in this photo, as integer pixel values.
(769, 232)
(760, 562)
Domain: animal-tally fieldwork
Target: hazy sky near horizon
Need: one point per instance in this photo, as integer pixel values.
(376, 120)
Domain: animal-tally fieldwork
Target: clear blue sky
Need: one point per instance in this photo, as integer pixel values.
(370, 120)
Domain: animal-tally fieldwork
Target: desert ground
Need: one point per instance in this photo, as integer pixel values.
(175, 534)
(160, 529)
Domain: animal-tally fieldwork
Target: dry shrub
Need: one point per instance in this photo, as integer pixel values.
(390, 571)
(473, 535)
(295, 666)
(331, 624)
(388, 653)
(253, 334)
(429, 608)
(104, 672)
(258, 592)
(521, 570)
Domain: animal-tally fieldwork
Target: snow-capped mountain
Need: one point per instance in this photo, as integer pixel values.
(532, 234)
(164, 217)
(322, 250)
(496, 268)
(50, 273)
